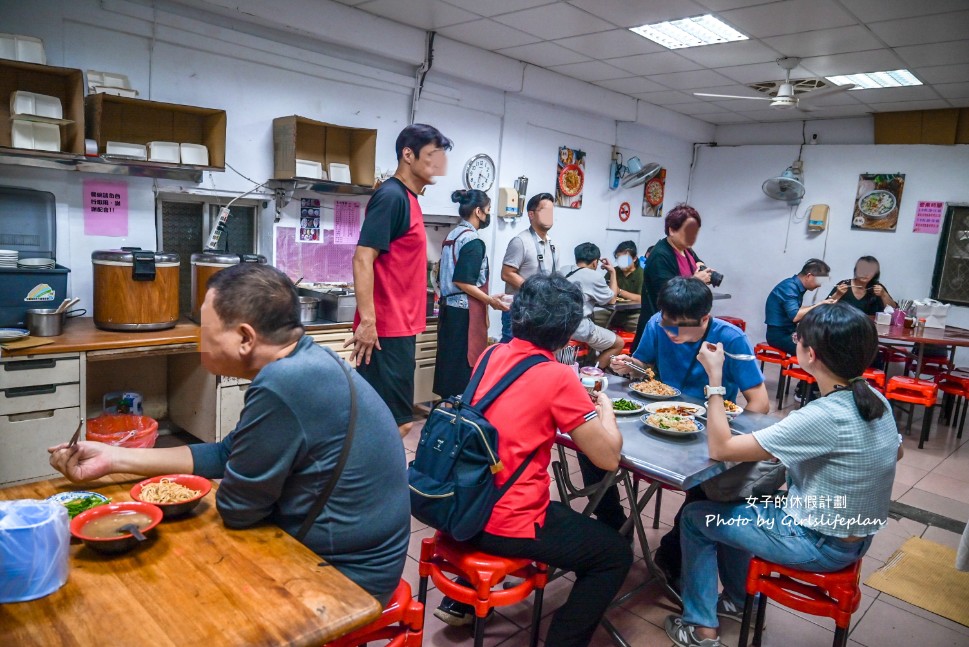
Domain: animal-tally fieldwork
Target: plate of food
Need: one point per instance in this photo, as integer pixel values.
(654, 390)
(733, 409)
(676, 408)
(670, 424)
(571, 179)
(654, 192)
(877, 204)
(13, 334)
(625, 407)
(78, 501)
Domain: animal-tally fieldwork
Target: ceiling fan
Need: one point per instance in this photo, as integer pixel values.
(788, 94)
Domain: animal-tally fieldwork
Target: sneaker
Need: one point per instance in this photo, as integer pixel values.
(683, 636)
(727, 609)
(454, 613)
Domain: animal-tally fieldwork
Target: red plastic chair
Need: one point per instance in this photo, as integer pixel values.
(875, 377)
(402, 623)
(833, 595)
(737, 321)
(443, 557)
(627, 338)
(768, 354)
(932, 365)
(793, 371)
(914, 392)
(955, 388)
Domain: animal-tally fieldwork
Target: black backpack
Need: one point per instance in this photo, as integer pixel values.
(452, 482)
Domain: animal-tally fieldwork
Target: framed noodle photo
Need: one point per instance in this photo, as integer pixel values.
(654, 192)
(877, 201)
(570, 178)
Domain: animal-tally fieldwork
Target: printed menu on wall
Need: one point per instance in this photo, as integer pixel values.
(928, 217)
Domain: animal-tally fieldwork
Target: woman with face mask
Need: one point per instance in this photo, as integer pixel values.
(629, 278)
(864, 291)
(462, 329)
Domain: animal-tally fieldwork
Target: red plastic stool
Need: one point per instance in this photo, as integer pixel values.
(894, 355)
(737, 321)
(932, 365)
(914, 391)
(794, 371)
(441, 555)
(875, 377)
(402, 623)
(766, 353)
(833, 595)
(627, 338)
(955, 388)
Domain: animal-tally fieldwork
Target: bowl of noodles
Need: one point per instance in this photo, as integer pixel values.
(670, 424)
(877, 204)
(175, 494)
(571, 179)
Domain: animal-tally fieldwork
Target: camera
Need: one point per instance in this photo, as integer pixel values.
(716, 278)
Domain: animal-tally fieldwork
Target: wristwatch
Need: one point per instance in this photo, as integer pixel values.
(714, 390)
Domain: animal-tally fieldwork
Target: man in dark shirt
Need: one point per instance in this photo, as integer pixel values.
(291, 432)
(784, 304)
(390, 273)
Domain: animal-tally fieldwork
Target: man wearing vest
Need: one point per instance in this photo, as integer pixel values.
(530, 252)
(595, 292)
(390, 273)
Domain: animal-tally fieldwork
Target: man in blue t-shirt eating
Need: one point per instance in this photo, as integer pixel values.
(671, 340)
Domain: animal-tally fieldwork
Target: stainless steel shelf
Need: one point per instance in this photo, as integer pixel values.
(82, 163)
(320, 186)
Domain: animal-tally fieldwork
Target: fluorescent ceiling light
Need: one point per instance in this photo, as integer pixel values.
(871, 80)
(689, 32)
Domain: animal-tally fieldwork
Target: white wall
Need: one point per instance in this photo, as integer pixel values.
(744, 231)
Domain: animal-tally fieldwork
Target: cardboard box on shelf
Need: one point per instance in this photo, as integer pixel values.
(297, 137)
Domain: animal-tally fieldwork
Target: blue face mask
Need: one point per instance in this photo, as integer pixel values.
(623, 261)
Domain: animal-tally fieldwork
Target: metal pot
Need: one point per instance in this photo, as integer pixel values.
(48, 322)
(309, 308)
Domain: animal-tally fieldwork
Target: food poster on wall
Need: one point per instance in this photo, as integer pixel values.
(571, 178)
(928, 217)
(877, 201)
(653, 193)
(309, 221)
(105, 208)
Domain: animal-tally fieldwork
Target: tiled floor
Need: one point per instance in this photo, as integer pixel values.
(935, 478)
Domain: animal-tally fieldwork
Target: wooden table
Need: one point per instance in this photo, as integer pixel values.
(948, 336)
(194, 582)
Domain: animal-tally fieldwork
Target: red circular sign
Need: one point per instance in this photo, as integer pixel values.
(624, 211)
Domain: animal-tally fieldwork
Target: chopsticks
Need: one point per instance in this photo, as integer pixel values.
(76, 436)
(635, 367)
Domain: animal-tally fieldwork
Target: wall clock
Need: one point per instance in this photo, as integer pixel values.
(479, 173)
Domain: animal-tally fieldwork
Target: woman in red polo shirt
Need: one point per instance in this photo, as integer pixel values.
(548, 397)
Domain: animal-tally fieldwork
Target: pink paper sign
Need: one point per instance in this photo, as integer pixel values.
(928, 217)
(346, 216)
(105, 208)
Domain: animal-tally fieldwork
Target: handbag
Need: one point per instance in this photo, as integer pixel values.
(341, 462)
(742, 481)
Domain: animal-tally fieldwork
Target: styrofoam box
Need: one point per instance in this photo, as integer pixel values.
(339, 172)
(107, 79)
(163, 152)
(30, 103)
(118, 92)
(309, 168)
(27, 49)
(195, 154)
(35, 135)
(125, 149)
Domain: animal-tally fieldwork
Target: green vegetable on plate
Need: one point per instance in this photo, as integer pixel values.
(622, 404)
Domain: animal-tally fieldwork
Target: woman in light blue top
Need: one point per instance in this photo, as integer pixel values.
(840, 452)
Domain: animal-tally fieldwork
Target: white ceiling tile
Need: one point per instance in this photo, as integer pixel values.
(740, 105)
(553, 21)
(632, 85)
(666, 97)
(825, 41)
(726, 5)
(591, 71)
(953, 90)
(690, 80)
(787, 17)
(760, 72)
(937, 28)
(737, 89)
(544, 54)
(744, 52)
(839, 99)
(658, 63)
(943, 73)
(959, 103)
(775, 114)
(351, 2)
(886, 95)
(891, 9)
(901, 106)
(876, 60)
(488, 34)
(495, 7)
(611, 44)
(724, 118)
(632, 13)
(935, 53)
(423, 14)
(696, 108)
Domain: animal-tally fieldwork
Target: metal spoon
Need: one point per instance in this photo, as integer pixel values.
(744, 357)
(133, 530)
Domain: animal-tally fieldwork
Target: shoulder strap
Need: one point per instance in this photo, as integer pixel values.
(518, 472)
(478, 374)
(573, 272)
(516, 372)
(341, 462)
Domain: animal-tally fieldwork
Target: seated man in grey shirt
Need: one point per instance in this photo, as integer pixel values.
(595, 292)
(281, 455)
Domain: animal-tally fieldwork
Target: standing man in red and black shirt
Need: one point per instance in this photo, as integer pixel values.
(390, 272)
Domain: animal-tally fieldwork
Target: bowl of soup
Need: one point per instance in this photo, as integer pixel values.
(100, 527)
(175, 494)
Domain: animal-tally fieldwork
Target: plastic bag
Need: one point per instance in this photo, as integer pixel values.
(34, 540)
(123, 430)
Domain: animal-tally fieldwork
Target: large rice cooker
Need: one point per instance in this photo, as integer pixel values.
(135, 289)
(204, 265)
